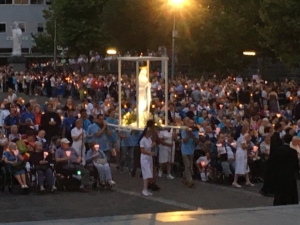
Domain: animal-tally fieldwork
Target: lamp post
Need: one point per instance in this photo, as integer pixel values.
(55, 53)
(174, 34)
(110, 51)
(175, 4)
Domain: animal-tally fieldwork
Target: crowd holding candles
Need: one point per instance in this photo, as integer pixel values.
(218, 125)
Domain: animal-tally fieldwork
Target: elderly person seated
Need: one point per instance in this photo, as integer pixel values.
(14, 164)
(41, 162)
(70, 161)
(15, 135)
(224, 153)
(98, 159)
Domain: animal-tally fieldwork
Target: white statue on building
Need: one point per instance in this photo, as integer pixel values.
(144, 96)
(17, 39)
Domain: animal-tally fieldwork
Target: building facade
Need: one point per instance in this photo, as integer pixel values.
(29, 15)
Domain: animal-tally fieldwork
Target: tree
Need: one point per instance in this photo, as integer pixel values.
(78, 25)
(281, 29)
(219, 32)
(135, 24)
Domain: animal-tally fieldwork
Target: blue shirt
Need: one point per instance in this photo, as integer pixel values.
(200, 120)
(25, 115)
(114, 136)
(68, 123)
(102, 141)
(179, 89)
(188, 148)
(86, 124)
(130, 140)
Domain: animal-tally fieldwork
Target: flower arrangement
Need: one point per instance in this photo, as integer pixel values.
(129, 118)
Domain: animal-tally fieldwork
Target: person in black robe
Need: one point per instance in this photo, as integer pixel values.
(286, 169)
(276, 142)
(50, 123)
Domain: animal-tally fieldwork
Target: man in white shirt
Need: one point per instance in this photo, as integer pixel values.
(53, 87)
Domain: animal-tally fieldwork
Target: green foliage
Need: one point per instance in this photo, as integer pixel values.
(219, 32)
(281, 29)
(78, 25)
(134, 24)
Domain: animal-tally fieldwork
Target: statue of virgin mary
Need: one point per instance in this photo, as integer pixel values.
(17, 39)
(144, 96)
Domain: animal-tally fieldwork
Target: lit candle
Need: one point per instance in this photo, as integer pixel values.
(221, 106)
(203, 163)
(62, 118)
(278, 115)
(251, 95)
(84, 92)
(255, 148)
(153, 106)
(96, 147)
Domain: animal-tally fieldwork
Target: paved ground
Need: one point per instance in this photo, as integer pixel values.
(267, 216)
(126, 200)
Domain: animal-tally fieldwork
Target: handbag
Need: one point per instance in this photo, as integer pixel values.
(101, 161)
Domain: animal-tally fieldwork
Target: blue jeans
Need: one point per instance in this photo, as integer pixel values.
(127, 157)
(48, 175)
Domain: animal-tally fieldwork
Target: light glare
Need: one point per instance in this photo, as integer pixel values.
(111, 51)
(249, 53)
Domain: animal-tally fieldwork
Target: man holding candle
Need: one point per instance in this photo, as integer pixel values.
(97, 132)
(70, 161)
(50, 122)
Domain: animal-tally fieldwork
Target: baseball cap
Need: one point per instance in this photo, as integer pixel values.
(65, 141)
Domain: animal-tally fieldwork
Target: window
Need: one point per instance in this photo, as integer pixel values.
(21, 2)
(48, 2)
(40, 28)
(38, 2)
(2, 28)
(7, 2)
(22, 26)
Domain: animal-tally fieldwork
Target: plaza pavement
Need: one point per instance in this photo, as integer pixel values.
(288, 215)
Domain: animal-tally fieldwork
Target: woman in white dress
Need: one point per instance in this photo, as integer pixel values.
(11, 96)
(78, 135)
(167, 150)
(241, 161)
(146, 146)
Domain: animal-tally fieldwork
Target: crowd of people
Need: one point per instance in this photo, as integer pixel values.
(223, 126)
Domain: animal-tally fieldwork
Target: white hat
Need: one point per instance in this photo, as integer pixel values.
(65, 141)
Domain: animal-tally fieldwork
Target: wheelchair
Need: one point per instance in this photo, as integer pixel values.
(34, 177)
(64, 179)
(95, 178)
(10, 181)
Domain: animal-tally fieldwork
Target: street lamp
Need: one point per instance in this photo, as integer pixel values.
(249, 53)
(175, 4)
(110, 51)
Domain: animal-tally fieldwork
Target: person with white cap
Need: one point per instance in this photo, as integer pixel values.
(70, 160)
